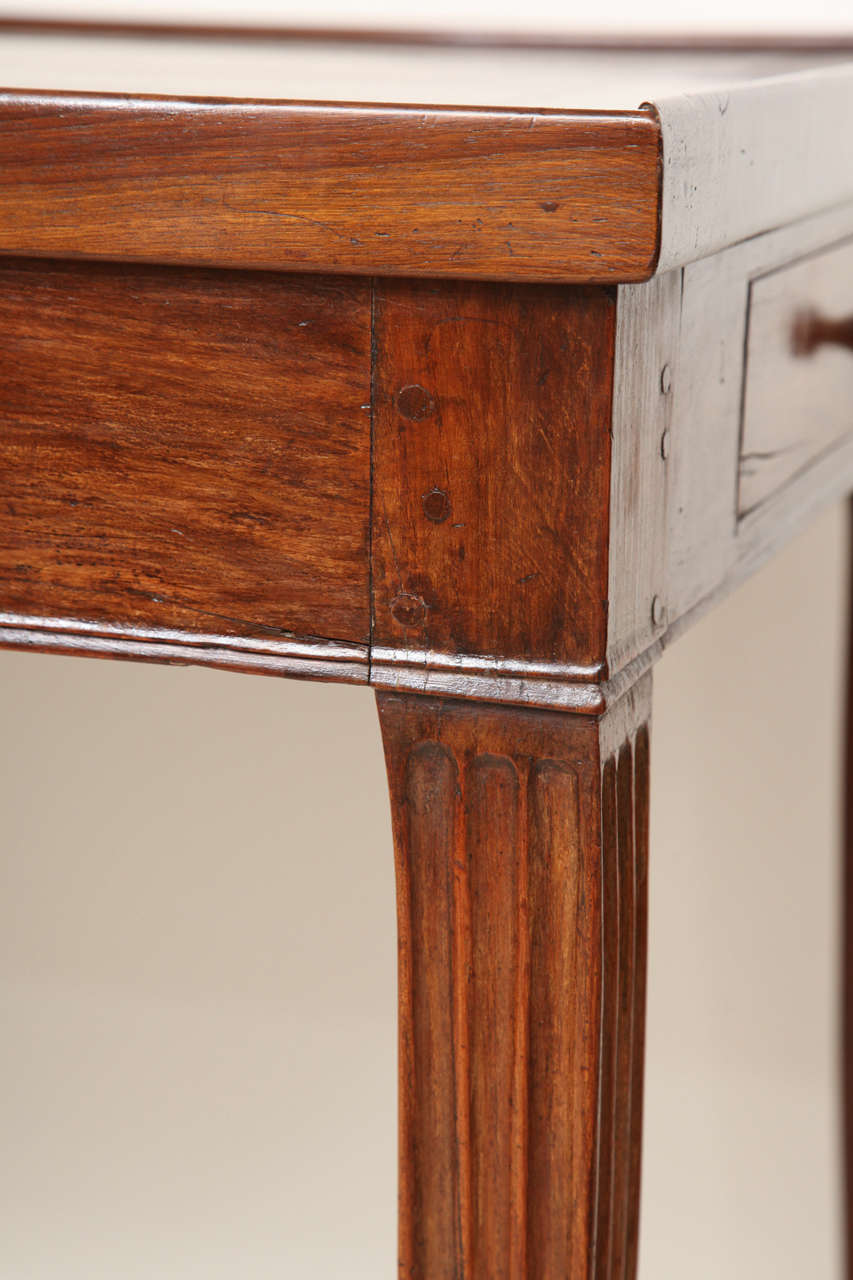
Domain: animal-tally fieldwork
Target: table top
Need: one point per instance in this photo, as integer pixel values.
(392, 156)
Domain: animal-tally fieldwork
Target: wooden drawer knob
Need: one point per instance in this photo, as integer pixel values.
(812, 331)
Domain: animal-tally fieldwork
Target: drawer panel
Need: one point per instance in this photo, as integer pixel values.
(185, 449)
(795, 405)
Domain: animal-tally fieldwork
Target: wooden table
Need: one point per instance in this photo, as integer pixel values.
(477, 403)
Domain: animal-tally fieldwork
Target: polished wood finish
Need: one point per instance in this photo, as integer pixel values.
(185, 454)
(515, 195)
(493, 477)
(480, 561)
(520, 843)
(526, 189)
(481, 578)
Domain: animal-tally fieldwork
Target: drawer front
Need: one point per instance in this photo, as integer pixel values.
(185, 450)
(796, 403)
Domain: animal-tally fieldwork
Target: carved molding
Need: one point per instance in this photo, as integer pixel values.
(521, 883)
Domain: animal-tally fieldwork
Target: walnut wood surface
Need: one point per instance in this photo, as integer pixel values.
(510, 491)
(552, 474)
(515, 487)
(491, 477)
(520, 842)
(734, 143)
(301, 187)
(185, 453)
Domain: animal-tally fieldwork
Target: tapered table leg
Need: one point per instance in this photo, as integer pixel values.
(520, 841)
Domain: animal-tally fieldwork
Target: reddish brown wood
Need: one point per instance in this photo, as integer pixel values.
(491, 478)
(638, 1026)
(511, 194)
(812, 330)
(519, 1032)
(184, 451)
(606, 1208)
(624, 803)
(187, 476)
(627, 909)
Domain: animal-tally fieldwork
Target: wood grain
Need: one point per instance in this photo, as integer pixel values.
(521, 193)
(305, 187)
(184, 455)
(522, 504)
(515, 844)
(491, 475)
(521, 500)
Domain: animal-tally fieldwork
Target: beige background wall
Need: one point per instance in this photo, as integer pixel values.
(197, 953)
(197, 961)
(551, 15)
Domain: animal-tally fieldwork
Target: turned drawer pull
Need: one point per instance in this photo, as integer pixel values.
(811, 331)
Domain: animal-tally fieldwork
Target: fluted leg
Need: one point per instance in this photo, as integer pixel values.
(521, 853)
